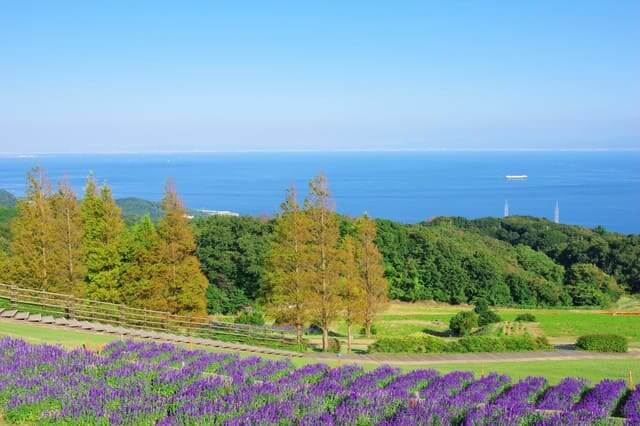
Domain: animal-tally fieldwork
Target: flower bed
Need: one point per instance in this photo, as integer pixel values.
(143, 383)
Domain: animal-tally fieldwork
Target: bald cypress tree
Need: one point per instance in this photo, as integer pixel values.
(32, 244)
(287, 292)
(179, 268)
(352, 292)
(324, 257)
(371, 270)
(102, 236)
(142, 287)
(67, 229)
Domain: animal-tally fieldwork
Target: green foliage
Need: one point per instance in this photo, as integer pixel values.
(613, 253)
(602, 343)
(225, 300)
(6, 216)
(485, 315)
(134, 209)
(101, 242)
(409, 344)
(463, 322)
(7, 199)
(430, 344)
(374, 330)
(250, 316)
(334, 345)
(588, 285)
(232, 253)
(526, 317)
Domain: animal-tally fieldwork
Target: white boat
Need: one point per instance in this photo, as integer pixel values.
(516, 177)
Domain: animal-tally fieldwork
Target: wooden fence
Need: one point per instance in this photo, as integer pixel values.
(73, 308)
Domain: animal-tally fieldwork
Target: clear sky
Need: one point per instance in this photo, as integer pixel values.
(113, 76)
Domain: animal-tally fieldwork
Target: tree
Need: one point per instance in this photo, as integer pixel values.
(67, 233)
(233, 255)
(179, 269)
(33, 239)
(101, 241)
(371, 270)
(324, 261)
(352, 290)
(141, 286)
(288, 288)
(588, 285)
(463, 322)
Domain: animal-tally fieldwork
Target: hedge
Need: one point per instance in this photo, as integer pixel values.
(429, 344)
(527, 317)
(602, 343)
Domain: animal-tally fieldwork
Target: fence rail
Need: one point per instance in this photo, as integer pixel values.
(74, 308)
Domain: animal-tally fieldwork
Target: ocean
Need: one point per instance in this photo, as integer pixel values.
(591, 188)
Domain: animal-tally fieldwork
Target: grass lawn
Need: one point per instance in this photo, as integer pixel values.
(561, 325)
(593, 370)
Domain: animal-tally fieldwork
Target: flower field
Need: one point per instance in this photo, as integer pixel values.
(143, 383)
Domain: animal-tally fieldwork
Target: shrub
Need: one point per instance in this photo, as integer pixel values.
(374, 330)
(429, 344)
(485, 315)
(602, 343)
(251, 317)
(488, 317)
(334, 345)
(527, 317)
(463, 322)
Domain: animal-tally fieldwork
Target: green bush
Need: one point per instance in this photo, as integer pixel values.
(374, 330)
(429, 344)
(251, 317)
(485, 315)
(527, 317)
(602, 343)
(334, 345)
(463, 322)
(409, 344)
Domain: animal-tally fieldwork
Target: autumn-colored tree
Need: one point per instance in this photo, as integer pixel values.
(101, 240)
(32, 244)
(371, 269)
(287, 294)
(67, 238)
(179, 268)
(141, 285)
(352, 294)
(324, 259)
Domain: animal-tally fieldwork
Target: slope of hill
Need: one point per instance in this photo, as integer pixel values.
(134, 208)
(7, 199)
(614, 253)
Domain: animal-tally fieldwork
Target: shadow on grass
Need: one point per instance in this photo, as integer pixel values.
(438, 333)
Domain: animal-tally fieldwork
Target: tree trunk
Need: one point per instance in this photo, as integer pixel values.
(299, 333)
(349, 338)
(367, 329)
(325, 338)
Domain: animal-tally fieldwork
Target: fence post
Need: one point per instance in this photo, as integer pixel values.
(14, 297)
(70, 307)
(121, 318)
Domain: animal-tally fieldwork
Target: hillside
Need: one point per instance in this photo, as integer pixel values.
(614, 253)
(7, 199)
(134, 208)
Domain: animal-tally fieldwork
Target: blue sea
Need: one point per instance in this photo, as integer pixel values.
(591, 188)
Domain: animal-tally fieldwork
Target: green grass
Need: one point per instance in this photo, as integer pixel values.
(559, 324)
(593, 370)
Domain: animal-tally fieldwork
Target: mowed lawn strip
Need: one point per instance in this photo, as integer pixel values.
(593, 370)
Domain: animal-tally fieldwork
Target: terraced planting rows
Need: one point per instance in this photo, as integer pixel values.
(143, 383)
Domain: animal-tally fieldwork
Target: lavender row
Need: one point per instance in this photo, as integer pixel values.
(145, 383)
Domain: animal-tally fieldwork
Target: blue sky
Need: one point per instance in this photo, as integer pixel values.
(206, 76)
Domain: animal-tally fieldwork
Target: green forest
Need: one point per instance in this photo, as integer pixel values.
(522, 261)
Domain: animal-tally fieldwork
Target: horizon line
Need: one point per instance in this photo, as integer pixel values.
(354, 150)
